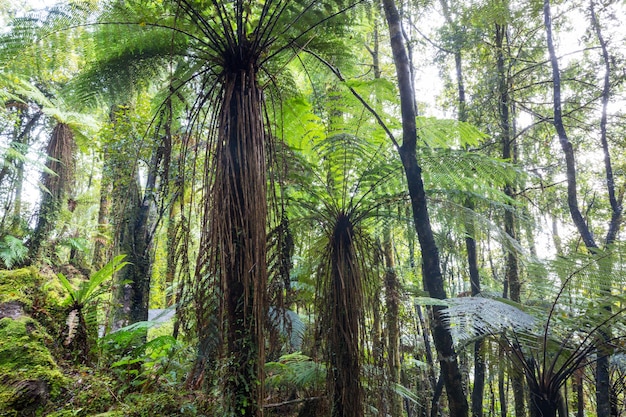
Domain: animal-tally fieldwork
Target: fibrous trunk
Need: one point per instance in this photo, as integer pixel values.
(345, 299)
(238, 222)
(61, 154)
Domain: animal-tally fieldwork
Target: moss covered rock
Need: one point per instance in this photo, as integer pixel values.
(30, 375)
(18, 287)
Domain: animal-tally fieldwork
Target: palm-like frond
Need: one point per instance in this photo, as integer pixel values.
(295, 370)
(471, 318)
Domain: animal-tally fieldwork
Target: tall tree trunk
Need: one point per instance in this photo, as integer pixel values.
(235, 236)
(478, 390)
(512, 265)
(134, 218)
(603, 396)
(102, 246)
(433, 281)
(470, 243)
(392, 301)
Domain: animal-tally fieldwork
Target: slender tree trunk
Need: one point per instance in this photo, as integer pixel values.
(470, 243)
(502, 392)
(603, 396)
(102, 246)
(512, 266)
(478, 390)
(173, 228)
(580, 393)
(433, 281)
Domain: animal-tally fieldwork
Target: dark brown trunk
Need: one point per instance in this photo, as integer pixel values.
(566, 145)
(345, 303)
(433, 281)
(603, 397)
(603, 381)
(237, 208)
(61, 153)
(502, 391)
(580, 393)
(512, 268)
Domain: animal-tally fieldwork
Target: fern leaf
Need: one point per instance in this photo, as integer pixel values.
(470, 318)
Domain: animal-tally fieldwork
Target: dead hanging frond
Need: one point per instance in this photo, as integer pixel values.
(72, 325)
(343, 290)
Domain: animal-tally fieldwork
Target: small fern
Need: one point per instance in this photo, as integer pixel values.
(12, 251)
(77, 338)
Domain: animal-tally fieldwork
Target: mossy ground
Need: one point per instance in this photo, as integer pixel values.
(19, 285)
(31, 348)
(24, 356)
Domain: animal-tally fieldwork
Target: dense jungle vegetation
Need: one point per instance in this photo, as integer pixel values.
(337, 208)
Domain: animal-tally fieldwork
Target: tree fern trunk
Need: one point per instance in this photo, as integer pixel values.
(61, 153)
(345, 300)
(392, 301)
(238, 218)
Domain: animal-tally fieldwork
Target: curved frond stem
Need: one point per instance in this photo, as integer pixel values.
(262, 37)
(295, 40)
(585, 346)
(204, 25)
(225, 22)
(556, 299)
(356, 95)
(371, 189)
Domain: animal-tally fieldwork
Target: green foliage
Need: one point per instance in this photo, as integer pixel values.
(295, 370)
(141, 365)
(448, 133)
(12, 251)
(87, 289)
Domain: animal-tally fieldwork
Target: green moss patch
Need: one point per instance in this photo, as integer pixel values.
(19, 285)
(30, 374)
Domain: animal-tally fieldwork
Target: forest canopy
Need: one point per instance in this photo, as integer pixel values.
(337, 208)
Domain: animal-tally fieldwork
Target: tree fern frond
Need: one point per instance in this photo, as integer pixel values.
(448, 133)
(470, 318)
(295, 370)
(12, 251)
